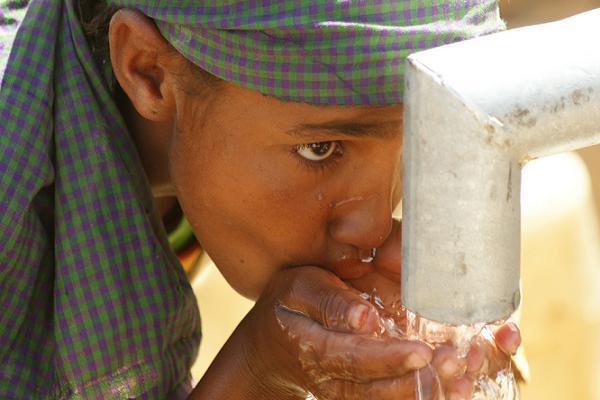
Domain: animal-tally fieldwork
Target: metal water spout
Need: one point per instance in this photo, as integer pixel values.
(475, 113)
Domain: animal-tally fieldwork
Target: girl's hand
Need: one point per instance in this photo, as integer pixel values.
(485, 356)
(310, 332)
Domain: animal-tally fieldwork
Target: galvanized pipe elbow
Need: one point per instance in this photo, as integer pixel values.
(475, 112)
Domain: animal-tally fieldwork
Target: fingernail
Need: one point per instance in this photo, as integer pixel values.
(415, 361)
(513, 327)
(515, 330)
(449, 368)
(357, 316)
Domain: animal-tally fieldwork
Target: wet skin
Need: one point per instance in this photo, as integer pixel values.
(286, 198)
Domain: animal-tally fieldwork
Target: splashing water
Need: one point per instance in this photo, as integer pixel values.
(397, 321)
(501, 385)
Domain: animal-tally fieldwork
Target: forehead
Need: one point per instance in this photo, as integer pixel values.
(302, 119)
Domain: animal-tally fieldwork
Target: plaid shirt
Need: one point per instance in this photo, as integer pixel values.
(93, 304)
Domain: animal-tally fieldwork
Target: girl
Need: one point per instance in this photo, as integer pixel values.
(278, 127)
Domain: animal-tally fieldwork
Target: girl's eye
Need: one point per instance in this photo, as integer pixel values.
(318, 151)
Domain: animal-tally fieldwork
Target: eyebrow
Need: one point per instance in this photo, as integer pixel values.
(382, 130)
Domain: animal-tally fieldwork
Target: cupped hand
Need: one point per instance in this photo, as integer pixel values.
(311, 332)
(489, 352)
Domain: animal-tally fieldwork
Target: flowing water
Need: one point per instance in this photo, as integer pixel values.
(498, 383)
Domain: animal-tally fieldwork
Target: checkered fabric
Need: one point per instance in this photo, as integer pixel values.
(92, 302)
(319, 52)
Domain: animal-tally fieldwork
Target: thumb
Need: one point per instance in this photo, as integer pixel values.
(508, 338)
(325, 299)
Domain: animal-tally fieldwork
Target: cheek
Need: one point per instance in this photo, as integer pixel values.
(248, 209)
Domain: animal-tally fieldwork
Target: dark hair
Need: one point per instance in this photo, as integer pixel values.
(95, 16)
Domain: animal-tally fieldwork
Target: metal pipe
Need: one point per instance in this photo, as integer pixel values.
(475, 113)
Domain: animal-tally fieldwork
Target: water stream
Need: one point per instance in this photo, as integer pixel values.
(498, 383)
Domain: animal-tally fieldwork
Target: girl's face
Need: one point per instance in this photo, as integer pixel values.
(268, 184)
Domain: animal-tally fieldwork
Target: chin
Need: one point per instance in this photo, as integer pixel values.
(244, 286)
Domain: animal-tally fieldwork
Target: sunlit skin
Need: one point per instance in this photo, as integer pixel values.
(273, 190)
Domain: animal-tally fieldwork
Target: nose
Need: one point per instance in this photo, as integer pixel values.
(363, 222)
(363, 217)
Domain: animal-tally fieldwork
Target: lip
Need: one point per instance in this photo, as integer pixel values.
(350, 268)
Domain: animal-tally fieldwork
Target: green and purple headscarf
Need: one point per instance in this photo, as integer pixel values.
(93, 303)
(320, 52)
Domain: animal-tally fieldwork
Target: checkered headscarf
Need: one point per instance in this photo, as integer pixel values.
(316, 51)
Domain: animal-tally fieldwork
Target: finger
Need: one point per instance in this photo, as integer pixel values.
(494, 358)
(324, 298)
(383, 389)
(388, 258)
(508, 338)
(460, 389)
(447, 363)
(358, 358)
(476, 356)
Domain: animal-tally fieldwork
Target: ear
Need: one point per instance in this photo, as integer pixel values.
(141, 64)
